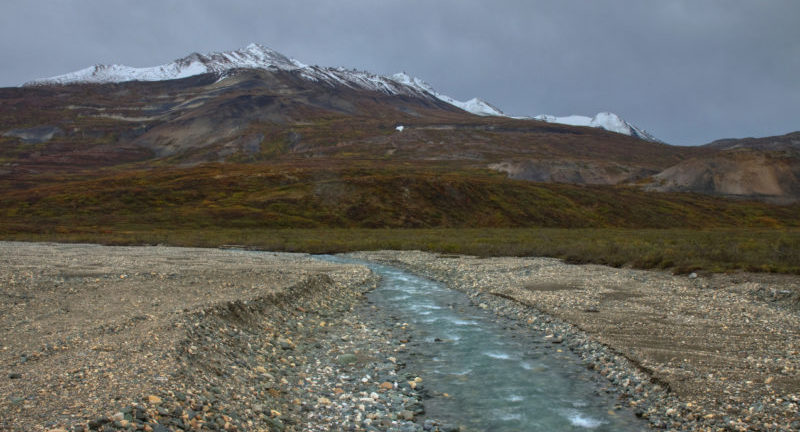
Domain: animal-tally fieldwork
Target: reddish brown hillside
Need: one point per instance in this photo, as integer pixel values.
(259, 115)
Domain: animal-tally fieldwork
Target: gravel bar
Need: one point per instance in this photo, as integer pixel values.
(710, 352)
(167, 339)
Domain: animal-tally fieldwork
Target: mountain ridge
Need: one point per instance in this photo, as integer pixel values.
(286, 112)
(256, 56)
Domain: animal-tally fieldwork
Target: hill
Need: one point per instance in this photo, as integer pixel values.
(294, 146)
(767, 169)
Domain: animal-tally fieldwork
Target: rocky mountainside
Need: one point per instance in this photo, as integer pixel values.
(291, 145)
(256, 105)
(256, 56)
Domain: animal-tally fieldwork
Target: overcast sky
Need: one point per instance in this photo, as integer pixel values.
(688, 71)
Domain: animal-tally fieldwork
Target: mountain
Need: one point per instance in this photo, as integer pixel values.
(256, 56)
(258, 114)
(230, 143)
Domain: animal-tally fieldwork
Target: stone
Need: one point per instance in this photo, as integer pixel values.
(346, 359)
(406, 415)
(98, 422)
(285, 344)
(153, 399)
(324, 401)
(386, 385)
(275, 425)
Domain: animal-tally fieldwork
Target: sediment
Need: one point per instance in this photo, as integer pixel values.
(160, 338)
(688, 352)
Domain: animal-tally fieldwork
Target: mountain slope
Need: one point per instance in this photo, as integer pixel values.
(257, 106)
(268, 114)
(249, 148)
(256, 56)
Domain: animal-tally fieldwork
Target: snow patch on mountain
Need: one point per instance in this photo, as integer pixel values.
(256, 56)
(604, 120)
(474, 105)
(253, 56)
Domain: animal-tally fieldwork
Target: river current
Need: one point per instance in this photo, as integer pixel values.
(496, 376)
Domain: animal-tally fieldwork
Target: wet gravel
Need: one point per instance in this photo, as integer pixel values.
(158, 339)
(696, 352)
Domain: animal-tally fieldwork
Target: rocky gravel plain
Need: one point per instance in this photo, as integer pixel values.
(165, 339)
(710, 352)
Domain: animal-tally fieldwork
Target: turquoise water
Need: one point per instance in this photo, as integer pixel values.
(497, 378)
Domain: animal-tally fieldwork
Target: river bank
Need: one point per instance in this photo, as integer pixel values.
(697, 352)
(159, 338)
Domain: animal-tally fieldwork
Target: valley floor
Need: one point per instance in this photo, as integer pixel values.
(164, 338)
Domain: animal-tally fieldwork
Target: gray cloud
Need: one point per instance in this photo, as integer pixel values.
(688, 71)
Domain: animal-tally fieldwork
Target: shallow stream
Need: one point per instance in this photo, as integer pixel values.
(497, 376)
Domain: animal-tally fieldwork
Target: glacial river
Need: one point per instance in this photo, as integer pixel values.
(498, 378)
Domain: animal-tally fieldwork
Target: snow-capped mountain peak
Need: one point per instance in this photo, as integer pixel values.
(405, 79)
(253, 56)
(474, 105)
(256, 56)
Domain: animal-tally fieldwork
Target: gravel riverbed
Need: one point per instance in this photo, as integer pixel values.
(688, 352)
(161, 338)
